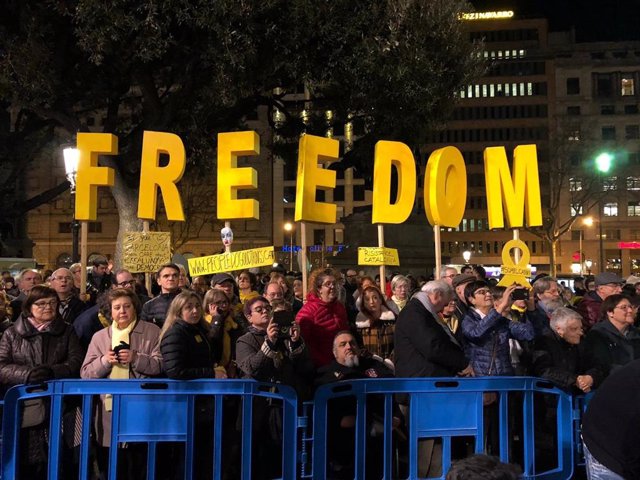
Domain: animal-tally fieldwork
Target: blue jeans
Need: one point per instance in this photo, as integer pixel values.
(597, 471)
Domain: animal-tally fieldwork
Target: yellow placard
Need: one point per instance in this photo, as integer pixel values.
(145, 252)
(228, 262)
(512, 272)
(378, 256)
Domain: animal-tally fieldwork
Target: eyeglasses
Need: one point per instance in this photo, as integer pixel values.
(451, 275)
(329, 284)
(59, 279)
(126, 283)
(45, 303)
(482, 291)
(625, 307)
(220, 303)
(262, 309)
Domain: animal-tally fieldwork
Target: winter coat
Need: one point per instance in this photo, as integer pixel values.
(319, 322)
(590, 308)
(284, 362)
(608, 349)
(488, 341)
(561, 362)
(424, 346)
(144, 340)
(22, 348)
(155, 310)
(187, 352)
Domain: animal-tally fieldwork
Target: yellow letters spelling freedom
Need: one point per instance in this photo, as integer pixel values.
(511, 195)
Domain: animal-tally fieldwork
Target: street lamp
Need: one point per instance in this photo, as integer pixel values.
(466, 255)
(588, 263)
(604, 162)
(587, 222)
(71, 159)
(288, 227)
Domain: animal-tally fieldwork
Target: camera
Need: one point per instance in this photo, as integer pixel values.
(520, 294)
(284, 319)
(123, 346)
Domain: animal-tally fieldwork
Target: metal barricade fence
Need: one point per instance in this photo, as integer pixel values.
(157, 411)
(445, 409)
(150, 412)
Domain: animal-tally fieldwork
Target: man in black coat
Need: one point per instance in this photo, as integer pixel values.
(69, 305)
(155, 310)
(426, 347)
(349, 364)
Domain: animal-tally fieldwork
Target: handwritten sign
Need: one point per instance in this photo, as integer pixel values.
(228, 262)
(378, 256)
(146, 252)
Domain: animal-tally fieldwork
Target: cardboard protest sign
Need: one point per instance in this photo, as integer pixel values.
(146, 251)
(378, 256)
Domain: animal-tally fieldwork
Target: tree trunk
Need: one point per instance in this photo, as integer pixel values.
(553, 245)
(126, 199)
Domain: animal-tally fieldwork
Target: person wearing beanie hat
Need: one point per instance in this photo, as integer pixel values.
(607, 284)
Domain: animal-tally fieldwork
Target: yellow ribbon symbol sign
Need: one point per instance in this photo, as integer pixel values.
(515, 273)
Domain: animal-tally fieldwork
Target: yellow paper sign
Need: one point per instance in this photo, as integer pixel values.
(378, 256)
(228, 262)
(515, 273)
(146, 252)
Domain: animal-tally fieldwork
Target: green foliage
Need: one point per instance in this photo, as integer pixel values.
(196, 68)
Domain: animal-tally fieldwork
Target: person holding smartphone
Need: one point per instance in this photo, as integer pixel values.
(225, 329)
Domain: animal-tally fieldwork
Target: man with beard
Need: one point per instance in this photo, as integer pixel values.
(547, 297)
(348, 364)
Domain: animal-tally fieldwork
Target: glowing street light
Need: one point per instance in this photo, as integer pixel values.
(604, 161)
(466, 255)
(288, 227)
(71, 159)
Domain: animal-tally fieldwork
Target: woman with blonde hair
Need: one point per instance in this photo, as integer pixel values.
(400, 289)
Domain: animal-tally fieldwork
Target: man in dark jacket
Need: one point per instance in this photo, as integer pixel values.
(459, 282)
(607, 283)
(349, 364)
(426, 347)
(558, 358)
(611, 426)
(69, 305)
(155, 310)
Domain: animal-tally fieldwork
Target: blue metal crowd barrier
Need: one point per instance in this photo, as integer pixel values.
(445, 408)
(149, 411)
(156, 411)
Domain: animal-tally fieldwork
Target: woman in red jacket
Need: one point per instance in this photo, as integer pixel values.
(322, 316)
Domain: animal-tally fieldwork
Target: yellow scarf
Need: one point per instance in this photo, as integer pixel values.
(398, 302)
(118, 371)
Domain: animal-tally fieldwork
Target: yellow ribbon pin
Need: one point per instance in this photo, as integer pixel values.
(511, 272)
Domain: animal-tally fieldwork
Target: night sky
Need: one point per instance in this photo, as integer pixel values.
(594, 20)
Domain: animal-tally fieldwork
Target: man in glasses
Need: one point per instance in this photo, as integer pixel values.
(69, 305)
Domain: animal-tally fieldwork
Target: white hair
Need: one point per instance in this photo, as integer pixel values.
(561, 316)
(438, 286)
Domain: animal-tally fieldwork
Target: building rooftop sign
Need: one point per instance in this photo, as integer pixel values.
(500, 15)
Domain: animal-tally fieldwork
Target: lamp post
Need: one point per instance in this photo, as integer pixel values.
(604, 162)
(587, 222)
(288, 227)
(588, 263)
(466, 255)
(71, 158)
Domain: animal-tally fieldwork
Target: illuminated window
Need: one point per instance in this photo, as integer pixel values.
(610, 209)
(575, 184)
(576, 209)
(627, 87)
(633, 209)
(633, 183)
(609, 184)
(574, 136)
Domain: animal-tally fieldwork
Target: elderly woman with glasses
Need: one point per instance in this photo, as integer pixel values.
(322, 316)
(614, 341)
(400, 290)
(225, 329)
(270, 353)
(487, 329)
(38, 347)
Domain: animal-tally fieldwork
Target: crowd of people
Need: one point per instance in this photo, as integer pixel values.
(262, 326)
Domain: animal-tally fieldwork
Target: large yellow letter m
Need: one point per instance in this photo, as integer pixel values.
(518, 194)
